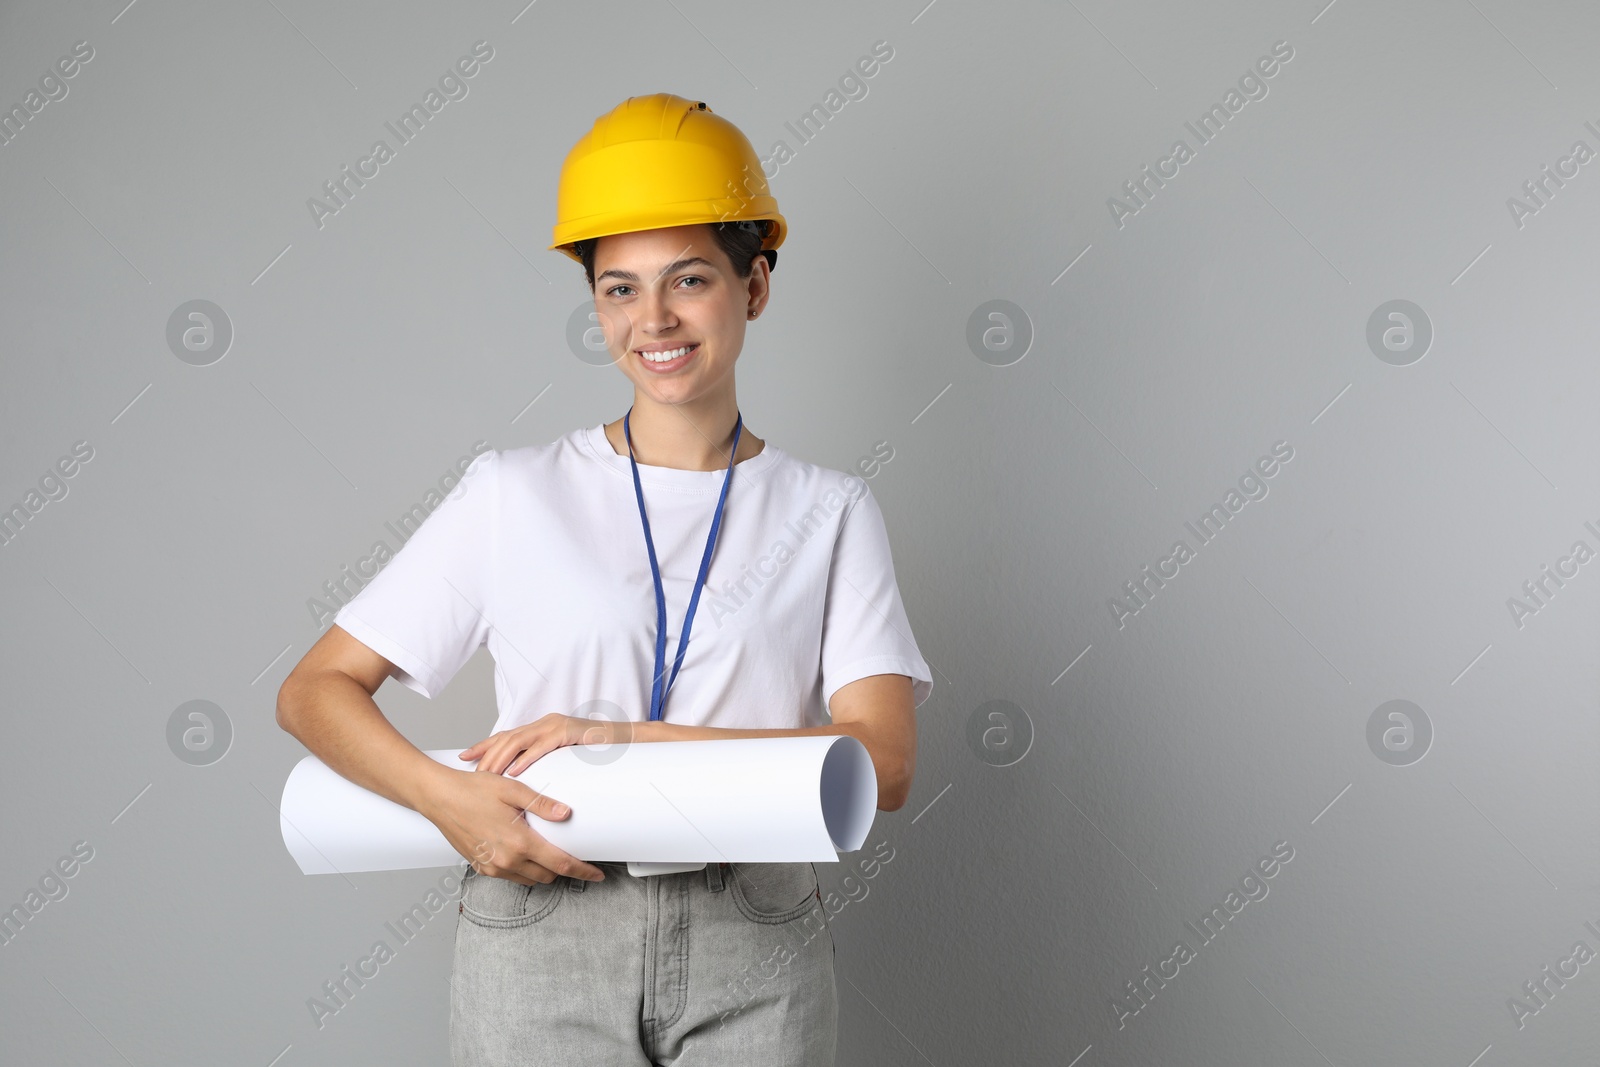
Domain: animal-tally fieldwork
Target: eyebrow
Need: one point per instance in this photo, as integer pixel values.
(676, 265)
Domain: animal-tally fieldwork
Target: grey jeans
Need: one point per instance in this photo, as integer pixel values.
(729, 965)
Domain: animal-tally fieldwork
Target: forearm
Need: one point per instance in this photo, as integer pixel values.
(333, 716)
(891, 764)
(671, 731)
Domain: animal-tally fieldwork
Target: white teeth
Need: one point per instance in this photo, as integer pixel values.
(662, 357)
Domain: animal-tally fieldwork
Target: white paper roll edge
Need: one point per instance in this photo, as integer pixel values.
(742, 800)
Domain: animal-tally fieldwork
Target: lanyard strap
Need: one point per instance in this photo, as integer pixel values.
(658, 693)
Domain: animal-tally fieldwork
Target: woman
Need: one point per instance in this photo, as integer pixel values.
(575, 561)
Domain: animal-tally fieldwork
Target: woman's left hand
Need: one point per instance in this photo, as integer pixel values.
(510, 752)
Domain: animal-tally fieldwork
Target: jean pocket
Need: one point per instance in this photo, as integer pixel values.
(499, 902)
(774, 892)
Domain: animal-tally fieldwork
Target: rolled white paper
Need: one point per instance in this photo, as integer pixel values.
(743, 800)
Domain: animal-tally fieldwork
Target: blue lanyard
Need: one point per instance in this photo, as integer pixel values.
(658, 694)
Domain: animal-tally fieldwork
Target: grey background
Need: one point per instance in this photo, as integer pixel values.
(1228, 314)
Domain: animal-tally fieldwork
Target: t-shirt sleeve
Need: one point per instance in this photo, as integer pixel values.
(428, 610)
(864, 626)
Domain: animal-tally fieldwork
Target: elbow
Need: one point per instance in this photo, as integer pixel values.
(288, 704)
(894, 788)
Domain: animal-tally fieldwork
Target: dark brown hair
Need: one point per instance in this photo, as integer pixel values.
(739, 241)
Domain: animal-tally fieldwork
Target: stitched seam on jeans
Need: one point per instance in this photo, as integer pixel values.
(515, 921)
(683, 960)
(749, 911)
(652, 895)
(551, 905)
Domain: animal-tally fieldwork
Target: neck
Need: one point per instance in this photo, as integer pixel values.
(696, 436)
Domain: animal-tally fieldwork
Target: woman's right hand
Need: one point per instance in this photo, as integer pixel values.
(481, 815)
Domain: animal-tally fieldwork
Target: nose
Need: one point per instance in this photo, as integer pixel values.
(655, 313)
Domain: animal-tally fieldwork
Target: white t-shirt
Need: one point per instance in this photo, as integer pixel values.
(540, 553)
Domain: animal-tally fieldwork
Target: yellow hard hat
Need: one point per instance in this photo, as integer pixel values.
(657, 161)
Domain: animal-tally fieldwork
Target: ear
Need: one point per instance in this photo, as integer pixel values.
(759, 285)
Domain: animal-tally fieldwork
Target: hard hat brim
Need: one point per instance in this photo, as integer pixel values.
(662, 217)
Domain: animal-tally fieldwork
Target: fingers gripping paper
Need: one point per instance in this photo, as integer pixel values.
(743, 800)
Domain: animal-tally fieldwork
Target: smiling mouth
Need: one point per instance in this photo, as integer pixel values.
(668, 358)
